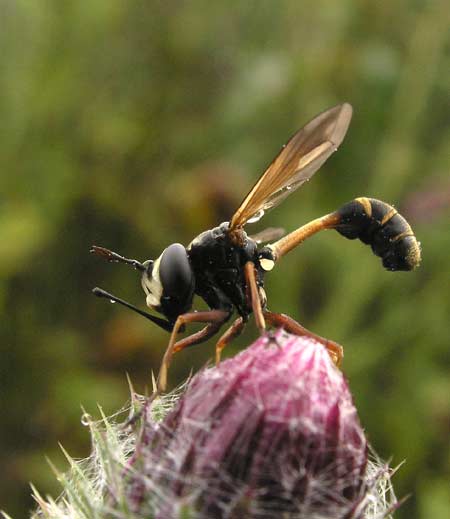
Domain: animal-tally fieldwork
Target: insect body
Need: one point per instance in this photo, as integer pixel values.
(225, 267)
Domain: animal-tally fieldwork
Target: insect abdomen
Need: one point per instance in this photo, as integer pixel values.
(380, 225)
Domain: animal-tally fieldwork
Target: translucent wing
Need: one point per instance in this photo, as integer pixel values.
(269, 234)
(296, 163)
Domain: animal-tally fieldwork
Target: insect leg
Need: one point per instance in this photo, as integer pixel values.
(217, 317)
(233, 331)
(250, 278)
(196, 338)
(290, 325)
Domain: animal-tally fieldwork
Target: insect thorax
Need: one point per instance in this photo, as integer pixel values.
(218, 264)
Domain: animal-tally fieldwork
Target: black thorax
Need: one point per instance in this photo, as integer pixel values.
(218, 265)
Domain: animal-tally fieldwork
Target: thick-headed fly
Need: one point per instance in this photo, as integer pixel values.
(225, 267)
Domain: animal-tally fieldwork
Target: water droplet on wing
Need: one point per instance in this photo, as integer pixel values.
(256, 217)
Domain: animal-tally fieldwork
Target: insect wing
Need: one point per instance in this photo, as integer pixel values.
(269, 234)
(296, 163)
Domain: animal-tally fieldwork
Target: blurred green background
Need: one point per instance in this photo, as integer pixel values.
(135, 124)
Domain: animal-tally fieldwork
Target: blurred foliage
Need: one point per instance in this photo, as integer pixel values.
(136, 124)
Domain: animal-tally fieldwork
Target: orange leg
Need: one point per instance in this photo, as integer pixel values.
(250, 277)
(290, 325)
(214, 318)
(197, 338)
(233, 331)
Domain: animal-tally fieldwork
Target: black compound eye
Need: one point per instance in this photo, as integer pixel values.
(175, 273)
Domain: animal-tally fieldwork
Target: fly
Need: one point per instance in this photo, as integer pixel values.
(225, 267)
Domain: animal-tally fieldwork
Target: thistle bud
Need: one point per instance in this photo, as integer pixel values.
(272, 432)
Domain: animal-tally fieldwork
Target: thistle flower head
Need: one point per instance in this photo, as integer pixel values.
(271, 432)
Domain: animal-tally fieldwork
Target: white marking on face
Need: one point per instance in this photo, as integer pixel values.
(152, 286)
(267, 264)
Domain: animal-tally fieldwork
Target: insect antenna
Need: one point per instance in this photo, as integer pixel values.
(113, 257)
(166, 325)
